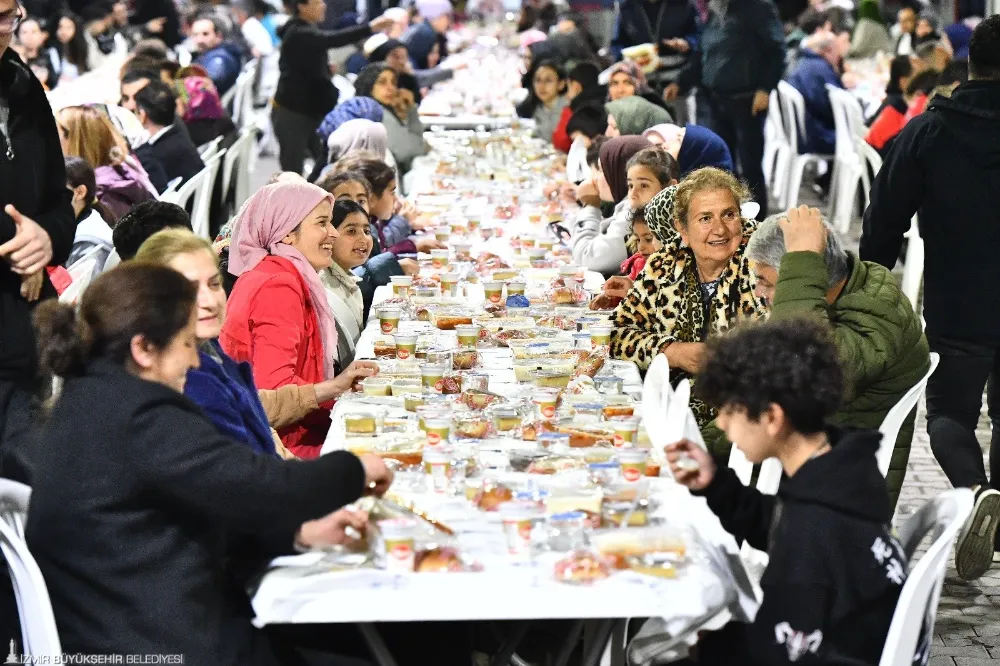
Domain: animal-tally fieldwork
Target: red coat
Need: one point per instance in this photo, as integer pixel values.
(560, 139)
(271, 324)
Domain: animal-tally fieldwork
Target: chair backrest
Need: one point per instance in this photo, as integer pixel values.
(203, 195)
(206, 150)
(171, 188)
(942, 517)
(237, 159)
(844, 147)
(870, 161)
(243, 102)
(38, 625)
(793, 112)
(14, 500)
(893, 421)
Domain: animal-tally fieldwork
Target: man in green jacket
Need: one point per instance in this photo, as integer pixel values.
(802, 269)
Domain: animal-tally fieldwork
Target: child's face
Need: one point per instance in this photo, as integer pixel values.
(757, 440)
(383, 205)
(354, 191)
(30, 35)
(404, 102)
(66, 31)
(384, 91)
(352, 247)
(573, 89)
(642, 186)
(546, 84)
(648, 243)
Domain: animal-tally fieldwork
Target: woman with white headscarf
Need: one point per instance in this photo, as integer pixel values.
(360, 134)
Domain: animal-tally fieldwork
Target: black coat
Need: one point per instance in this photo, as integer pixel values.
(175, 152)
(834, 573)
(304, 84)
(945, 166)
(34, 182)
(135, 498)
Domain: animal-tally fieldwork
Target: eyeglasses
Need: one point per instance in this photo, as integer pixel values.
(11, 19)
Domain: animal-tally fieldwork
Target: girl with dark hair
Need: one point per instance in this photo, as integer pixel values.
(350, 250)
(71, 46)
(305, 92)
(406, 135)
(149, 490)
(548, 87)
(31, 36)
(93, 219)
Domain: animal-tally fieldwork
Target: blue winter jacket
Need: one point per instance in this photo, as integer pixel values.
(223, 64)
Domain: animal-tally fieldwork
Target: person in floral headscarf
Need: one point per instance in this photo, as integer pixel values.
(627, 80)
(201, 107)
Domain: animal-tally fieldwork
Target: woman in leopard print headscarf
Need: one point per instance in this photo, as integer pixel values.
(700, 284)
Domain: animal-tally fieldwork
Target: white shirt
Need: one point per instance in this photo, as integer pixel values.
(257, 36)
(156, 137)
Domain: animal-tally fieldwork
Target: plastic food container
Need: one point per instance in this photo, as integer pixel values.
(557, 379)
(438, 429)
(401, 285)
(405, 387)
(437, 464)
(439, 258)
(519, 519)
(398, 543)
(360, 423)
(449, 284)
(388, 319)
(493, 290)
(376, 386)
(633, 464)
(432, 376)
(545, 401)
(626, 431)
(468, 335)
(406, 345)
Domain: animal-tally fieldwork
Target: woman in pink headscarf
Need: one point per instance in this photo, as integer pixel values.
(279, 320)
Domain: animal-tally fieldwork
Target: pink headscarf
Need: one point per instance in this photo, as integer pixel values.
(532, 36)
(267, 217)
(634, 71)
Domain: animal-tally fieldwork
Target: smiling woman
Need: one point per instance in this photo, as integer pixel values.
(280, 321)
(699, 285)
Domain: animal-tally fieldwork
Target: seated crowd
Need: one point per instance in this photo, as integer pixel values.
(182, 452)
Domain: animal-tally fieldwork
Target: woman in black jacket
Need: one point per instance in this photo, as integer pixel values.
(305, 90)
(136, 495)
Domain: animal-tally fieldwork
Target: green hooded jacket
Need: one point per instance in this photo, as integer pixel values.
(880, 338)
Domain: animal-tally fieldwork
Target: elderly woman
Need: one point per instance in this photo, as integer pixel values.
(699, 285)
(634, 115)
(802, 269)
(280, 321)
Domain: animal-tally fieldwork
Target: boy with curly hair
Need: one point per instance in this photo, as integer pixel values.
(835, 571)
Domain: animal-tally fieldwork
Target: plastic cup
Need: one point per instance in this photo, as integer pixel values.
(397, 537)
(388, 320)
(401, 285)
(438, 429)
(432, 376)
(442, 234)
(468, 335)
(600, 336)
(406, 345)
(626, 431)
(515, 287)
(439, 258)
(493, 290)
(518, 521)
(449, 283)
(545, 401)
(528, 243)
(437, 464)
(633, 463)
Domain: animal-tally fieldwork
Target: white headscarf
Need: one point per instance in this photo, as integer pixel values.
(358, 134)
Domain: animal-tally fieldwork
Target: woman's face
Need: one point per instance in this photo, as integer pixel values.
(648, 244)
(384, 90)
(169, 365)
(434, 57)
(612, 130)
(670, 138)
(621, 85)
(30, 35)
(354, 191)
(354, 244)
(603, 189)
(66, 30)
(202, 269)
(713, 230)
(397, 59)
(383, 206)
(63, 131)
(314, 237)
(546, 85)
(642, 185)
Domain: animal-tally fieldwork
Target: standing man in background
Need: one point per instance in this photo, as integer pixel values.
(742, 60)
(36, 227)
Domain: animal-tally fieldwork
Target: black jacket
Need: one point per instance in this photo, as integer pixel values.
(744, 50)
(304, 83)
(945, 166)
(835, 573)
(643, 21)
(135, 498)
(175, 152)
(34, 182)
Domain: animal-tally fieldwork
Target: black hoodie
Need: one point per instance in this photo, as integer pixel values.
(835, 573)
(945, 166)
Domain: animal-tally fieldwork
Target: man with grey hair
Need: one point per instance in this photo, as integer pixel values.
(803, 270)
(818, 65)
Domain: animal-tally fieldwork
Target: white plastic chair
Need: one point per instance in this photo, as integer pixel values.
(776, 148)
(39, 635)
(893, 421)
(199, 189)
(913, 264)
(237, 167)
(243, 101)
(206, 150)
(171, 188)
(793, 111)
(14, 500)
(870, 161)
(916, 609)
(848, 165)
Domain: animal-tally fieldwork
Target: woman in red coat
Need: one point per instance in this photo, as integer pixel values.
(279, 319)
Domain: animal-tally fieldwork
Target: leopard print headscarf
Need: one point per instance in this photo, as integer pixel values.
(660, 216)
